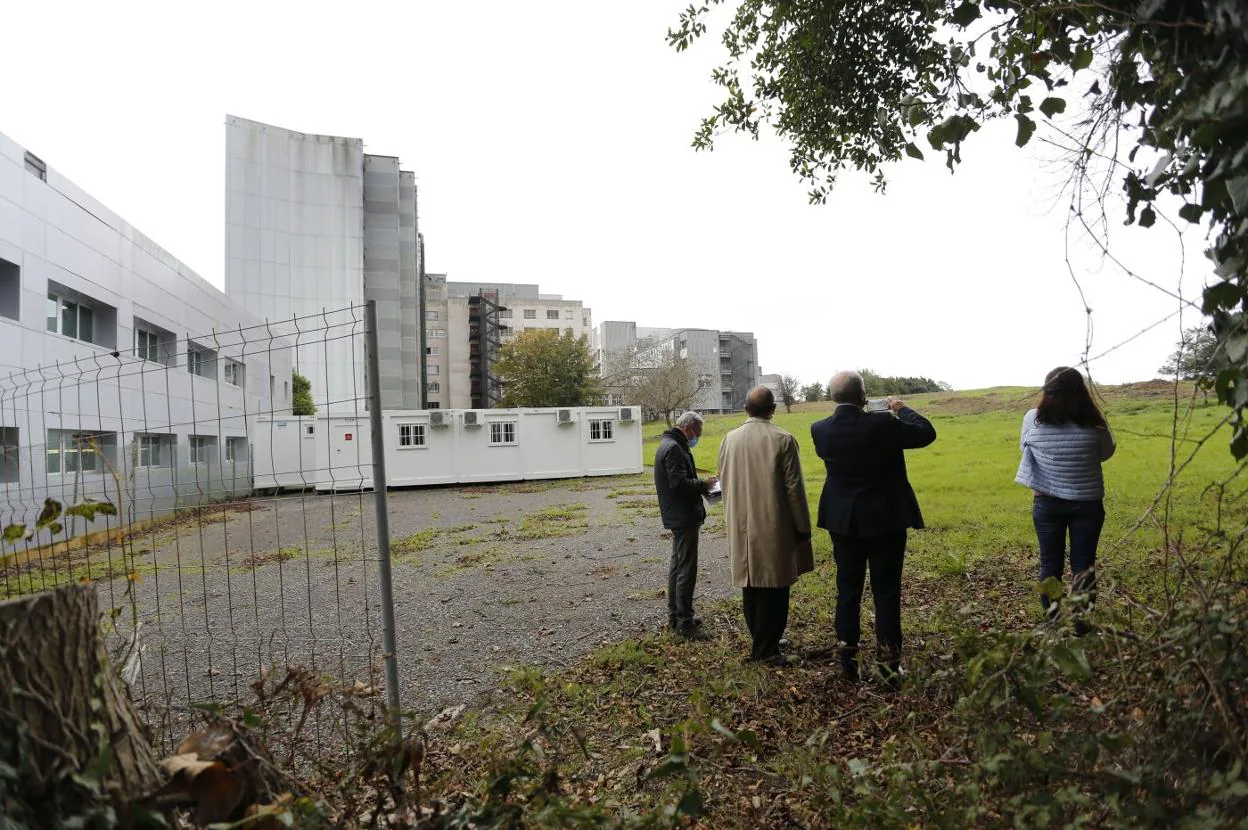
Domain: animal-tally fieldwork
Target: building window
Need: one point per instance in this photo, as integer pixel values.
(504, 313)
(10, 456)
(433, 386)
(147, 345)
(435, 370)
(585, 322)
(552, 314)
(77, 452)
(502, 433)
(272, 387)
(153, 450)
(201, 362)
(202, 447)
(432, 315)
(10, 290)
(530, 314)
(235, 450)
(36, 165)
(433, 351)
(232, 373)
(437, 332)
(434, 405)
(411, 436)
(71, 318)
(285, 390)
(601, 430)
(568, 314)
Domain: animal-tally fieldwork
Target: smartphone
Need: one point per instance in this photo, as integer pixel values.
(877, 405)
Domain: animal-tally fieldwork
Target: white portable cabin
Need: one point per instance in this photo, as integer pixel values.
(286, 452)
(442, 446)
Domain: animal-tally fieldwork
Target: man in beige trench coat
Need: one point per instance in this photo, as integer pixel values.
(767, 519)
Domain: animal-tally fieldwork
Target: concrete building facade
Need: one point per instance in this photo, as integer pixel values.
(725, 362)
(313, 223)
(461, 326)
(124, 376)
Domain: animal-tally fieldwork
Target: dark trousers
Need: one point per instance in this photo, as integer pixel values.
(882, 556)
(766, 616)
(682, 577)
(1054, 519)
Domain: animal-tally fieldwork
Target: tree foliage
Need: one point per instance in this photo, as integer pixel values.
(301, 396)
(1196, 356)
(664, 388)
(878, 385)
(860, 85)
(787, 391)
(542, 367)
(812, 392)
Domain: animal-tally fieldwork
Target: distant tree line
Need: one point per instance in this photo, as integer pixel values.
(880, 385)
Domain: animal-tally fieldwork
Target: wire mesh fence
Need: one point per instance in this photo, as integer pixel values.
(192, 478)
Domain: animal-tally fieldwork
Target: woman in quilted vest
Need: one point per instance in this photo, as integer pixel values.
(1064, 441)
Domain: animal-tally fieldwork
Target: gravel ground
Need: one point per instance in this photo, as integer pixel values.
(533, 573)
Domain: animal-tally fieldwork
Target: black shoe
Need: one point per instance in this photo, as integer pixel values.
(849, 665)
(693, 632)
(775, 661)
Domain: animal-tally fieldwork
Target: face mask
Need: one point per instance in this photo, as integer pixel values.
(693, 442)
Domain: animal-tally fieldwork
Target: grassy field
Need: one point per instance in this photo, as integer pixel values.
(654, 724)
(965, 481)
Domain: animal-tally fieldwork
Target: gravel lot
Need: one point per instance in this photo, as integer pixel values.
(485, 577)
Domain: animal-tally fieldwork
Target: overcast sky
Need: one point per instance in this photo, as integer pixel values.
(551, 142)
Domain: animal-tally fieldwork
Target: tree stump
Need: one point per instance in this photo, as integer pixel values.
(69, 732)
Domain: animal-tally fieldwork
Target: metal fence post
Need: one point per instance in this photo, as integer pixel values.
(388, 639)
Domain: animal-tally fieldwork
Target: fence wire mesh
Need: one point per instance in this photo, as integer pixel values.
(230, 537)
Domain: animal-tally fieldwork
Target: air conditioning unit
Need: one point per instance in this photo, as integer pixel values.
(437, 418)
(563, 416)
(626, 413)
(471, 419)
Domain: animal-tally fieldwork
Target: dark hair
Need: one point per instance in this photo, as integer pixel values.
(1067, 400)
(760, 402)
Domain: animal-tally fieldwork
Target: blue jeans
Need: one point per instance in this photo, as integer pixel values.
(1083, 520)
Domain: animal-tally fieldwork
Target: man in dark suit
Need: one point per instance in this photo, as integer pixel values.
(867, 505)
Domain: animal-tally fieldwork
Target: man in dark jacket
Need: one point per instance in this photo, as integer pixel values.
(866, 506)
(680, 505)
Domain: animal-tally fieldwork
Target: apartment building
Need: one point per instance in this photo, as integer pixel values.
(467, 322)
(123, 374)
(314, 223)
(724, 362)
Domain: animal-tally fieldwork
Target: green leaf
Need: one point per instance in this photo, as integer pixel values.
(13, 533)
(965, 14)
(1082, 58)
(1052, 106)
(671, 765)
(914, 152)
(90, 509)
(50, 513)
(692, 804)
(1191, 212)
(1073, 662)
(1025, 129)
(1147, 217)
(744, 736)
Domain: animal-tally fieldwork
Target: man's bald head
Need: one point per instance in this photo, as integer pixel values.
(760, 403)
(847, 387)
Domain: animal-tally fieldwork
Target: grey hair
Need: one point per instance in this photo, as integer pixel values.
(847, 387)
(688, 419)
